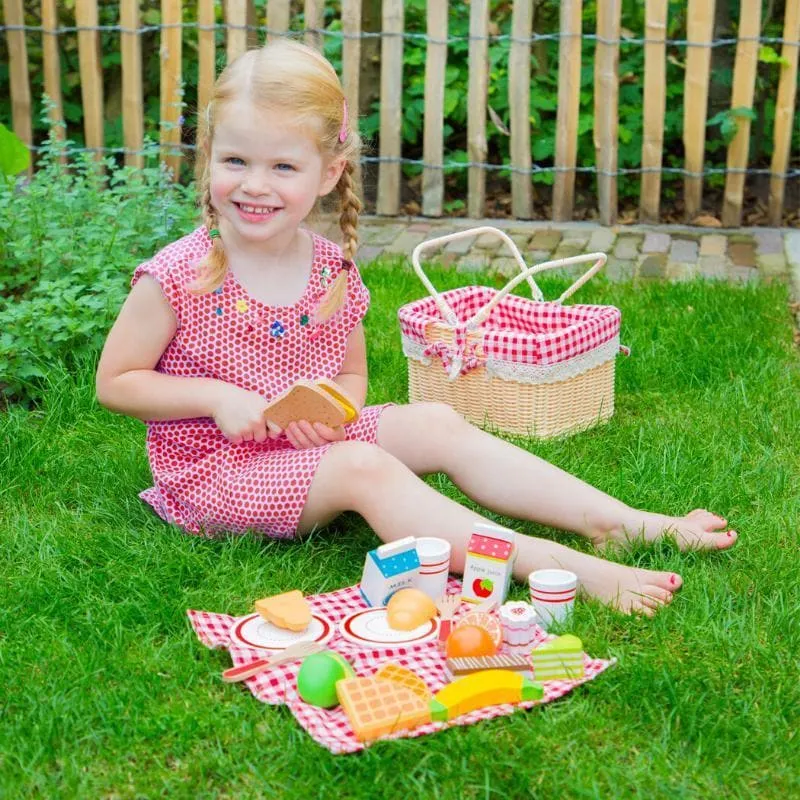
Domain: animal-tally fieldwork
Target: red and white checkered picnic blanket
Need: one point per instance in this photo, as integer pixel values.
(518, 330)
(329, 727)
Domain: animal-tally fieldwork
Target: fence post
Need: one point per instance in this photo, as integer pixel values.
(391, 107)
(52, 69)
(476, 105)
(132, 95)
(519, 105)
(655, 82)
(277, 17)
(606, 106)
(784, 111)
(351, 68)
(236, 19)
(18, 73)
(569, 86)
(433, 123)
(744, 84)
(91, 74)
(171, 106)
(314, 23)
(207, 52)
(699, 27)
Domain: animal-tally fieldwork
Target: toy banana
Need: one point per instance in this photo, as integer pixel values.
(490, 687)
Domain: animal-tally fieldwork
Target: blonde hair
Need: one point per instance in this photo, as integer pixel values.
(283, 75)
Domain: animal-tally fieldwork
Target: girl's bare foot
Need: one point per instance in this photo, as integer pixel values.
(698, 530)
(630, 589)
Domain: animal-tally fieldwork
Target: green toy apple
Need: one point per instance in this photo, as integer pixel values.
(318, 675)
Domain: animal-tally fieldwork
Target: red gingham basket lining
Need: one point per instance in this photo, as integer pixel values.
(518, 329)
(330, 728)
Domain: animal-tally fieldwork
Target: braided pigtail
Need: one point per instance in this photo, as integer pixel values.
(336, 294)
(212, 269)
(350, 207)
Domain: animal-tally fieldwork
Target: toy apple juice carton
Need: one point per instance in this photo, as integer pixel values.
(487, 569)
(390, 567)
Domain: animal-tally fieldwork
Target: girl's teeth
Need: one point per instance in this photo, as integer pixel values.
(254, 210)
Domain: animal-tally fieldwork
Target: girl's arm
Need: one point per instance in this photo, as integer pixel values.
(126, 378)
(353, 375)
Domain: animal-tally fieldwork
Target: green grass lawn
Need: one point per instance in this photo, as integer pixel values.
(108, 693)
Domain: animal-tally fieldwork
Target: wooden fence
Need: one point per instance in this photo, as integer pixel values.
(239, 16)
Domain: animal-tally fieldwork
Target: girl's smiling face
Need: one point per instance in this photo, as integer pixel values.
(266, 175)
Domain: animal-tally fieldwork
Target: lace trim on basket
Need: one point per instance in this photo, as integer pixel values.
(531, 373)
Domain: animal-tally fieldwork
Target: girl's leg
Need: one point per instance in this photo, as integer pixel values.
(356, 476)
(431, 437)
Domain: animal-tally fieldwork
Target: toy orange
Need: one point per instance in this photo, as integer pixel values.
(467, 641)
(484, 620)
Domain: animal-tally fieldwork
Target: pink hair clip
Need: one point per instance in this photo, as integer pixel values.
(343, 131)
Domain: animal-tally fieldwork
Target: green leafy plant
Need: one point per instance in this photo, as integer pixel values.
(728, 121)
(14, 156)
(69, 240)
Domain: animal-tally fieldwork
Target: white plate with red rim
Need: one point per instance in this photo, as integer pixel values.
(255, 632)
(370, 628)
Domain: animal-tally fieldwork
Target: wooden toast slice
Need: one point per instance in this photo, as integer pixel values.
(289, 610)
(306, 400)
(336, 391)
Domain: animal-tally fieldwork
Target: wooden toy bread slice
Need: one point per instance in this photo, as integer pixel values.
(289, 610)
(306, 400)
(348, 404)
(376, 707)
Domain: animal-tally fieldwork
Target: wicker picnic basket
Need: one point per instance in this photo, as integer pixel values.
(518, 366)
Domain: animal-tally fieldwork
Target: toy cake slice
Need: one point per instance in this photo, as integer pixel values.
(306, 400)
(289, 610)
(377, 707)
(560, 659)
(404, 677)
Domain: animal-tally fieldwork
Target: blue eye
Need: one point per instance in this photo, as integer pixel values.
(284, 167)
(235, 160)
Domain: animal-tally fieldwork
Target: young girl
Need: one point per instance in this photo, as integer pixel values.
(226, 318)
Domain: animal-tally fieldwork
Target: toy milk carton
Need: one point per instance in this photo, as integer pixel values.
(390, 567)
(487, 569)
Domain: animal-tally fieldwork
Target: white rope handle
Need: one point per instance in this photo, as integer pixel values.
(599, 259)
(444, 308)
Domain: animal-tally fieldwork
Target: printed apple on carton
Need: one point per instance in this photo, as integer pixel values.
(488, 565)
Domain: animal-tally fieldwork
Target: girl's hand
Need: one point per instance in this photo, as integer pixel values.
(239, 414)
(304, 435)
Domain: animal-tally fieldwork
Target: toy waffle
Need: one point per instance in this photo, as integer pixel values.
(405, 677)
(521, 366)
(316, 401)
(376, 707)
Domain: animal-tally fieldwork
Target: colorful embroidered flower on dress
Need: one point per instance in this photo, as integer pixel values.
(276, 329)
(218, 312)
(303, 320)
(218, 290)
(324, 274)
(241, 305)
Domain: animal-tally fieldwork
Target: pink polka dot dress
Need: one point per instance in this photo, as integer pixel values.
(204, 483)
